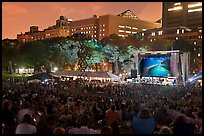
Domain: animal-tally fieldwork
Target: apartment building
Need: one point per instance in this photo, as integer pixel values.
(60, 29)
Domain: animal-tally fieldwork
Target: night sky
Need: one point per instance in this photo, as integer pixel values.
(17, 17)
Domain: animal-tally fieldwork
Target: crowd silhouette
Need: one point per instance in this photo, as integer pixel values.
(95, 107)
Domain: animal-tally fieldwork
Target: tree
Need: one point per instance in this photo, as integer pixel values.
(69, 50)
(94, 58)
(10, 52)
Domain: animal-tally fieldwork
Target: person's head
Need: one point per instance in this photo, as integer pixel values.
(6, 105)
(165, 130)
(59, 130)
(181, 118)
(84, 120)
(106, 130)
(144, 113)
(27, 119)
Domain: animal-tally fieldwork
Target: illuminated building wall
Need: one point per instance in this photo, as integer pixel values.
(60, 29)
(123, 25)
(87, 26)
(174, 33)
(188, 14)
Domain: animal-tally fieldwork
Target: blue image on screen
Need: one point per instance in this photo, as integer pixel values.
(156, 66)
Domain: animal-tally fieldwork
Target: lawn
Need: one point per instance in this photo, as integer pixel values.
(16, 76)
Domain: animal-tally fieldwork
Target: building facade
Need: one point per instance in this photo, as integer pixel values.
(124, 24)
(60, 29)
(187, 14)
(180, 20)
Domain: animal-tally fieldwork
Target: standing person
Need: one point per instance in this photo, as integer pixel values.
(143, 123)
(26, 126)
(112, 115)
(8, 118)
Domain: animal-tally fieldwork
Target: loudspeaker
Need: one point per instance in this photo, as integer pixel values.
(133, 73)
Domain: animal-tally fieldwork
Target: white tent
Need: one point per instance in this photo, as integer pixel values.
(34, 81)
(98, 75)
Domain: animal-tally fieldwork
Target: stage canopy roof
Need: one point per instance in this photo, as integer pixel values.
(97, 74)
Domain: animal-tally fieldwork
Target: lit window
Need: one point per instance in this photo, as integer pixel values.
(128, 31)
(121, 30)
(94, 35)
(198, 54)
(176, 38)
(160, 33)
(200, 31)
(103, 25)
(100, 30)
(89, 31)
(121, 35)
(178, 3)
(128, 27)
(194, 43)
(95, 26)
(92, 27)
(134, 28)
(134, 32)
(194, 10)
(100, 34)
(31, 37)
(103, 34)
(103, 29)
(175, 8)
(151, 40)
(81, 28)
(144, 29)
(94, 31)
(89, 27)
(177, 31)
(121, 26)
(201, 36)
(86, 32)
(86, 27)
(91, 35)
(195, 5)
(153, 33)
(142, 34)
(182, 31)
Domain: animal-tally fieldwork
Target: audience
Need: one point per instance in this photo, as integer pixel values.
(77, 107)
(26, 127)
(84, 122)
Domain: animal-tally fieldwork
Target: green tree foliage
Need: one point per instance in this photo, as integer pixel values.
(10, 52)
